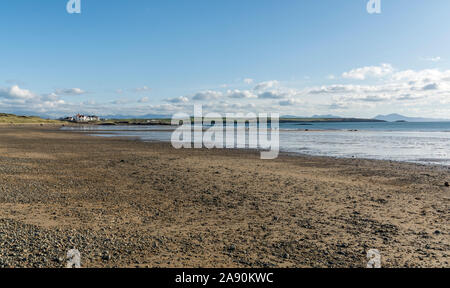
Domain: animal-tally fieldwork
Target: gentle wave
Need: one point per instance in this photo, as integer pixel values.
(426, 143)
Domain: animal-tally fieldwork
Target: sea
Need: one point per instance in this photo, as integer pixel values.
(416, 142)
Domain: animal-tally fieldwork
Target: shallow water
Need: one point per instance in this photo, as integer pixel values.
(426, 143)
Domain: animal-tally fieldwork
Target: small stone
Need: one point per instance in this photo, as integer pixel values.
(232, 247)
(447, 184)
(286, 256)
(106, 256)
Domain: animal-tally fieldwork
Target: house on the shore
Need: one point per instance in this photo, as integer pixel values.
(84, 118)
(81, 118)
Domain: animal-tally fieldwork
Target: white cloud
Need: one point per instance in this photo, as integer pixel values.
(290, 102)
(363, 98)
(397, 91)
(369, 72)
(142, 89)
(432, 59)
(143, 100)
(432, 86)
(271, 95)
(89, 103)
(120, 101)
(51, 96)
(248, 81)
(17, 100)
(336, 106)
(422, 76)
(70, 92)
(242, 106)
(15, 92)
(207, 95)
(334, 89)
(240, 94)
(180, 99)
(267, 85)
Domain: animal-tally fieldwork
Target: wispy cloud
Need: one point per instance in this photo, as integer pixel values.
(402, 90)
(180, 99)
(432, 86)
(267, 85)
(240, 94)
(144, 100)
(432, 59)
(271, 95)
(143, 89)
(70, 91)
(207, 95)
(369, 71)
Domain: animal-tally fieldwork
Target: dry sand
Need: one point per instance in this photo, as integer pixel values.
(126, 203)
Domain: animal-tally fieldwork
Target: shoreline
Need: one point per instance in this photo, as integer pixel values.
(130, 203)
(101, 133)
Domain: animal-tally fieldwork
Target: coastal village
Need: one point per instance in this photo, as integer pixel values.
(79, 118)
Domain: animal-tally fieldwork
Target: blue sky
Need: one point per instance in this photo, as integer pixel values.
(160, 57)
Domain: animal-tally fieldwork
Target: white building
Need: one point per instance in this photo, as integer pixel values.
(84, 118)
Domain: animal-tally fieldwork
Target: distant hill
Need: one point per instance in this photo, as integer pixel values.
(334, 120)
(148, 116)
(397, 117)
(329, 116)
(14, 119)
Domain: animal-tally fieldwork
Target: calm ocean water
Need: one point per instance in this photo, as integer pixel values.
(426, 143)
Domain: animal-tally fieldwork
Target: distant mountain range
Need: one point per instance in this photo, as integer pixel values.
(148, 116)
(388, 118)
(397, 117)
(315, 116)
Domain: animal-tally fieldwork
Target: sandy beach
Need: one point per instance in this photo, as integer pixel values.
(128, 203)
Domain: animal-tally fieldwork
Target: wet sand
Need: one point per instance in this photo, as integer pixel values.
(127, 203)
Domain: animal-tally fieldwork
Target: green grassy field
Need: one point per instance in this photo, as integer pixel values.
(14, 119)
